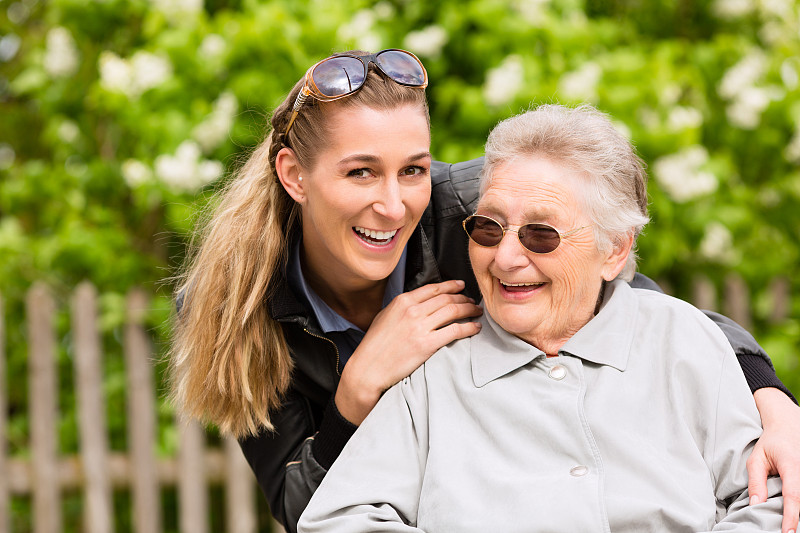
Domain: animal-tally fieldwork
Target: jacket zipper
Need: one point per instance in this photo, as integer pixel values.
(332, 344)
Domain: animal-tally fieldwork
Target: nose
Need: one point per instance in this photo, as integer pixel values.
(390, 201)
(510, 254)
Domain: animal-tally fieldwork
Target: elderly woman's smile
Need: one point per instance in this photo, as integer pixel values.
(541, 298)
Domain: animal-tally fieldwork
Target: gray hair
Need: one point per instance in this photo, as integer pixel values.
(615, 196)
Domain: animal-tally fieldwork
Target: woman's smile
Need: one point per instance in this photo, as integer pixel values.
(519, 290)
(375, 237)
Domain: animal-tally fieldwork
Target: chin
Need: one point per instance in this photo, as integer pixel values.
(515, 322)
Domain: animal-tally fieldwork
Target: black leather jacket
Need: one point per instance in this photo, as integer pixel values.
(290, 462)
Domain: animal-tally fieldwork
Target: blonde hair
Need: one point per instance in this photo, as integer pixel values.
(229, 362)
(615, 196)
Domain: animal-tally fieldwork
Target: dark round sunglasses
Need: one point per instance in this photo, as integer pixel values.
(537, 238)
(341, 75)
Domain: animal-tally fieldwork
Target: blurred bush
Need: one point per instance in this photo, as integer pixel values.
(121, 117)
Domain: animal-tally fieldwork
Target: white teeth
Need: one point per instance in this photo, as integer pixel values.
(519, 284)
(377, 235)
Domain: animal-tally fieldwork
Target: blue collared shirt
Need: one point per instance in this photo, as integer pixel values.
(346, 335)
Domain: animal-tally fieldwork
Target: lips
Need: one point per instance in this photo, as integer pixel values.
(520, 287)
(375, 237)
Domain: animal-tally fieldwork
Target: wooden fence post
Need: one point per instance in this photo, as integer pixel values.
(192, 484)
(239, 491)
(42, 401)
(141, 418)
(98, 515)
(737, 301)
(5, 518)
(780, 290)
(704, 295)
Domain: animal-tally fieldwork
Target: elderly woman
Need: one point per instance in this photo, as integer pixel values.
(583, 404)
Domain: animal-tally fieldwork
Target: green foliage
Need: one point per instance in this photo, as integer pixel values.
(119, 118)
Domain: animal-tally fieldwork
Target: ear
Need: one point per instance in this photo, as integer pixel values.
(617, 257)
(289, 173)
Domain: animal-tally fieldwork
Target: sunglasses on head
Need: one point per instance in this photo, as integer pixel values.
(341, 75)
(537, 238)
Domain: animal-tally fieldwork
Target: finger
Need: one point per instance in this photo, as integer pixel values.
(791, 506)
(459, 330)
(757, 472)
(452, 312)
(426, 292)
(429, 307)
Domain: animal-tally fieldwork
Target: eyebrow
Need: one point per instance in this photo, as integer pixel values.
(373, 159)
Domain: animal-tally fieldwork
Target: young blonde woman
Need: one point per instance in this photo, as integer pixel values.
(333, 266)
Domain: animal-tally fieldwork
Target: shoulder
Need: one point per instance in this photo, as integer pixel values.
(685, 328)
(448, 365)
(455, 185)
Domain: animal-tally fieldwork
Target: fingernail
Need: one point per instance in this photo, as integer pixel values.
(753, 500)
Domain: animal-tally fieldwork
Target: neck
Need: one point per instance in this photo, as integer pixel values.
(355, 299)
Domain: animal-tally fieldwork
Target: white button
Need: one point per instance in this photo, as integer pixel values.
(579, 471)
(558, 372)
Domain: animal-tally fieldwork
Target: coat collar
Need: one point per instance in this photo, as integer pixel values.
(421, 269)
(605, 340)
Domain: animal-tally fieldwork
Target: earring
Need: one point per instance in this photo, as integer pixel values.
(299, 178)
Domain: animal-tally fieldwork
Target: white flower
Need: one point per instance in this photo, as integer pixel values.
(683, 118)
(534, 12)
(504, 81)
(681, 175)
(208, 171)
(778, 8)
(427, 41)
(622, 128)
(717, 244)
(740, 86)
(115, 73)
(746, 73)
(135, 172)
(789, 74)
(185, 171)
(61, 54)
(383, 10)
(140, 73)
(581, 84)
(7, 156)
(731, 9)
(18, 12)
(648, 117)
(213, 45)
(9, 46)
(178, 10)
(68, 131)
(773, 32)
(149, 70)
(210, 133)
(360, 30)
(745, 111)
(670, 94)
(370, 42)
(792, 150)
